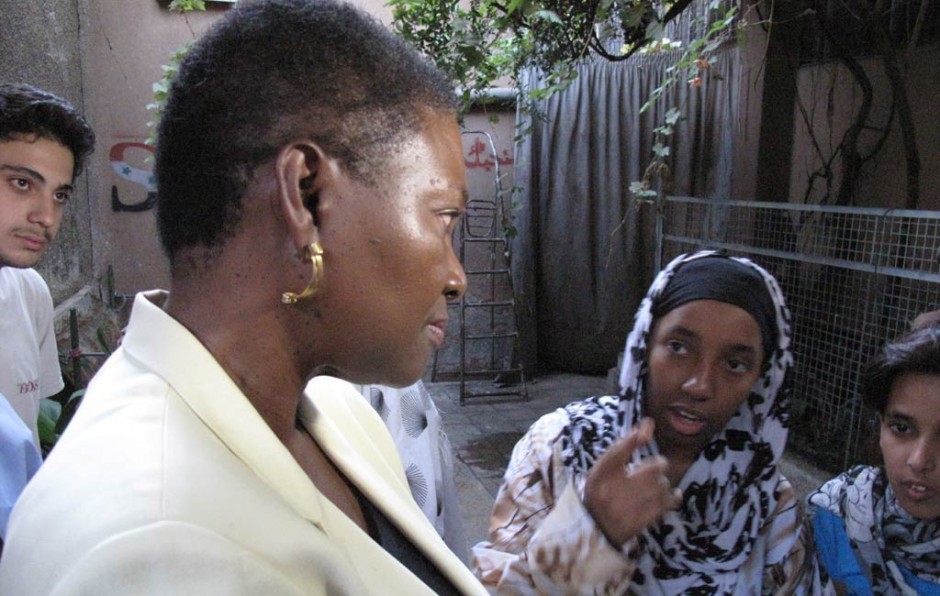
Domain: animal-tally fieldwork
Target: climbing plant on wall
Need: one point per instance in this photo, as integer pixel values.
(480, 42)
(160, 90)
(485, 41)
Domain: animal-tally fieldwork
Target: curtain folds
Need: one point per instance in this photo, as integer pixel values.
(583, 255)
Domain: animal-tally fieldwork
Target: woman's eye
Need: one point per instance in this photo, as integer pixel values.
(740, 366)
(676, 347)
(900, 428)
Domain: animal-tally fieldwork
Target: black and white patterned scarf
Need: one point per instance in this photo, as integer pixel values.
(729, 491)
(882, 534)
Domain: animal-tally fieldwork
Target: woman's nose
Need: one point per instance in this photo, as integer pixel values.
(456, 284)
(699, 383)
(922, 457)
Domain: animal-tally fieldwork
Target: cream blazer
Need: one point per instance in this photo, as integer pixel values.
(168, 481)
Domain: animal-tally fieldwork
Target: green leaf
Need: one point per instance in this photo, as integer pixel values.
(68, 410)
(633, 15)
(547, 15)
(712, 46)
(49, 412)
(641, 190)
(187, 5)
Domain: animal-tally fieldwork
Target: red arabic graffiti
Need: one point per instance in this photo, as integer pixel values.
(481, 157)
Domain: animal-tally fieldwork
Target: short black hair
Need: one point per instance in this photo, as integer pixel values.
(270, 72)
(27, 111)
(917, 351)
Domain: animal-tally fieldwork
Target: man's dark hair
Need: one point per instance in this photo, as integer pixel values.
(917, 351)
(270, 72)
(26, 111)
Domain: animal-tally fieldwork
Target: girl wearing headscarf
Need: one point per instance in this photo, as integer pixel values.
(877, 528)
(672, 487)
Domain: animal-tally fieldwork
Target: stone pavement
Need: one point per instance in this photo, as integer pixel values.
(484, 431)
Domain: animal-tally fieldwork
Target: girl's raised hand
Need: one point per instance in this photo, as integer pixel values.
(625, 498)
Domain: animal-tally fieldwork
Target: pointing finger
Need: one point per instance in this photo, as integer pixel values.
(620, 453)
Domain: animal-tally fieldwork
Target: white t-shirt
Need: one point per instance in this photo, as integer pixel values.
(29, 359)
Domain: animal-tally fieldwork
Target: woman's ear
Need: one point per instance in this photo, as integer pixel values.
(299, 168)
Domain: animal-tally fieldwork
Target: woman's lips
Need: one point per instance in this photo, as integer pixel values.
(436, 331)
(685, 421)
(916, 491)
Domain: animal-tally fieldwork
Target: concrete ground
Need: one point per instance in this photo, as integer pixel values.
(485, 429)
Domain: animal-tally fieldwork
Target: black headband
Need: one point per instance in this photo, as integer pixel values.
(725, 280)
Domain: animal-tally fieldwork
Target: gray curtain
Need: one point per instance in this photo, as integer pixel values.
(583, 257)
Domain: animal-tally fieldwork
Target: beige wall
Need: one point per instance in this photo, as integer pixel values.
(125, 45)
(481, 163)
(884, 178)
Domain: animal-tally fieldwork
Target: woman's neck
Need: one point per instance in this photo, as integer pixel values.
(677, 469)
(680, 460)
(247, 346)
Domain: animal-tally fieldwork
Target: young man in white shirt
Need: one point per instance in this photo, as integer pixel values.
(44, 142)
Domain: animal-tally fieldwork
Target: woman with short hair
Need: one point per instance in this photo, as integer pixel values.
(877, 528)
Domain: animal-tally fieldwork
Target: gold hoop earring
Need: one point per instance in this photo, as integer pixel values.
(314, 254)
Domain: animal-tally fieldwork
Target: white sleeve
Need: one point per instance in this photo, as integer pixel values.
(50, 374)
(542, 539)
